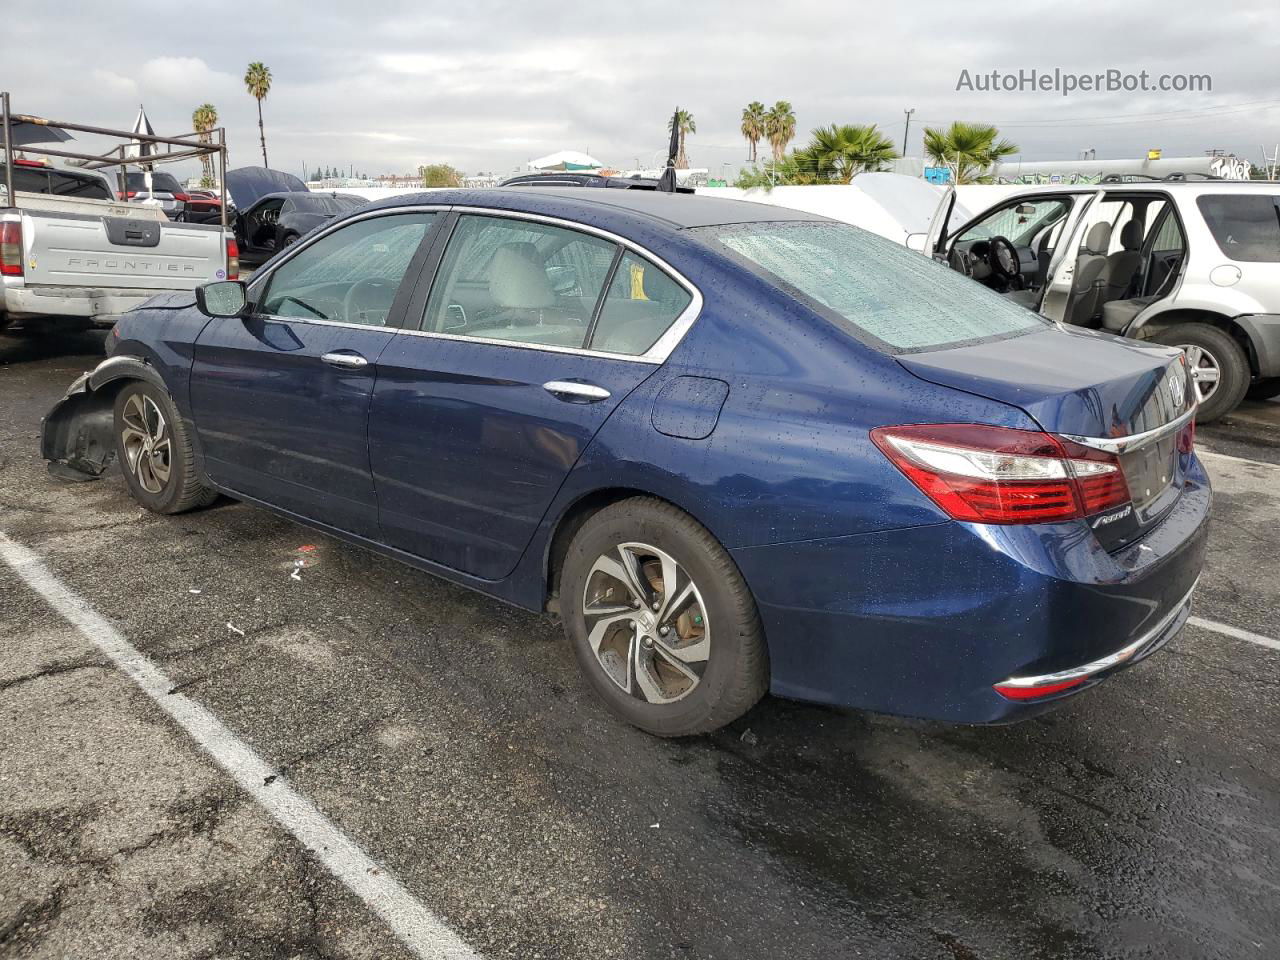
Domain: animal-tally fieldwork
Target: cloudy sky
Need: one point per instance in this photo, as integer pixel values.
(485, 86)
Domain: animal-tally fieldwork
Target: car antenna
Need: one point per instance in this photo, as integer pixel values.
(667, 182)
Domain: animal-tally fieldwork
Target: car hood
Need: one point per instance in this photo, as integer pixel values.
(247, 185)
(1070, 380)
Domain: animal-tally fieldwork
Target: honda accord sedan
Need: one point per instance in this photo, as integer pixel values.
(736, 448)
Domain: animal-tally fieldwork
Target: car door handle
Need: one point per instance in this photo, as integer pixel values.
(574, 392)
(348, 361)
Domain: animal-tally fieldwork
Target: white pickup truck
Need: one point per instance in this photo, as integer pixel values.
(69, 249)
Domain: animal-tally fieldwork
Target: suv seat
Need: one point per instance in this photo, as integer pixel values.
(1086, 288)
(1122, 266)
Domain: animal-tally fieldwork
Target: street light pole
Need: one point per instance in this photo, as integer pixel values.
(906, 130)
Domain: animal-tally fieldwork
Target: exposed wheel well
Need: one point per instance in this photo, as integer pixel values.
(571, 522)
(1228, 326)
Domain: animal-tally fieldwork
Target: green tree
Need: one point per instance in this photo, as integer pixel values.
(969, 149)
(203, 119)
(687, 125)
(754, 125)
(440, 175)
(257, 80)
(780, 128)
(838, 152)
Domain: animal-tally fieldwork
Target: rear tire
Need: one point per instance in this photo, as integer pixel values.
(1264, 389)
(155, 451)
(696, 662)
(1211, 352)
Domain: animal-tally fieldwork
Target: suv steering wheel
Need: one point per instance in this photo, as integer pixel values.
(1003, 259)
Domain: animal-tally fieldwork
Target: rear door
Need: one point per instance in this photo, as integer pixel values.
(281, 396)
(530, 336)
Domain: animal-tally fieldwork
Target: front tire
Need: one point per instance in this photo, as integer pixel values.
(155, 451)
(661, 621)
(1218, 366)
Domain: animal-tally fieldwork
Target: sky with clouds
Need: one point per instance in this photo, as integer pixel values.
(486, 85)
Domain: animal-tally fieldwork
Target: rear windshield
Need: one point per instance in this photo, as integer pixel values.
(160, 182)
(1246, 226)
(59, 183)
(898, 300)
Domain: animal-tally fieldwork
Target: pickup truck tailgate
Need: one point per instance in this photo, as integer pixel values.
(104, 251)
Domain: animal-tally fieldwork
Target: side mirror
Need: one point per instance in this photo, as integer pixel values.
(225, 298)
(916, 241)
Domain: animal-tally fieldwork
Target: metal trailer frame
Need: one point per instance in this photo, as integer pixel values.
(183, 147)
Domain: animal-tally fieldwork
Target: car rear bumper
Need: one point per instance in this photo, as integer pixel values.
(926, 621)
(95, 302)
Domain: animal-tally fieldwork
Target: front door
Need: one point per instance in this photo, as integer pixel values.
(281, 397)
(530, 338)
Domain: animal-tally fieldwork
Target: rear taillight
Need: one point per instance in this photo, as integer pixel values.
(1187, 437)
(1014, 691)
(233, 259)
(10, 249)
(991, 474)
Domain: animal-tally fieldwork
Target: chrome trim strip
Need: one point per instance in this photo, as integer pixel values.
(1105, 663)
(1122, 444)
(656, 354)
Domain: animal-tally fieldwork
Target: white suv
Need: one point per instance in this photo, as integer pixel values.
(1194, 264)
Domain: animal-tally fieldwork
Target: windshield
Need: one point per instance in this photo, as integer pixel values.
(882, 292)
(160, 183)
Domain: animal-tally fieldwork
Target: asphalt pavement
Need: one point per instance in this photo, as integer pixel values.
(450, 739)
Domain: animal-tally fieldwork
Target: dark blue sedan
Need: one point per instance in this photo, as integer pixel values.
(738, 448)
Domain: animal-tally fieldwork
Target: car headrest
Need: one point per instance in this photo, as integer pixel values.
(518, 279)
(1098, 238)
(1131, 235)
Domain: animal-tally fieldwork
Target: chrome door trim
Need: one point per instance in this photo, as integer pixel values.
(656, 354)
(569, 388)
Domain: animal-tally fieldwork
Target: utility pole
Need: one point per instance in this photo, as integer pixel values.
(906, 130)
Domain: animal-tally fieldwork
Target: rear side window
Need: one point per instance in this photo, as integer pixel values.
(1246, 226)
(880, 291)
(642, 303)
(70, 185)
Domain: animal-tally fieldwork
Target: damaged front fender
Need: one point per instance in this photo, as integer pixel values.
(77, 435)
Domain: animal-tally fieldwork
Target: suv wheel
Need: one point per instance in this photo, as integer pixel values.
(661, 621)
(1218, 366)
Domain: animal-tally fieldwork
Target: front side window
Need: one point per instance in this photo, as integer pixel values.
(350, 275)
(518, 280)
(1021, 222)
(1246, 226)
(878, 290)
(643, 301)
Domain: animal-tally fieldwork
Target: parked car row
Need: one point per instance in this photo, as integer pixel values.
(739, 448)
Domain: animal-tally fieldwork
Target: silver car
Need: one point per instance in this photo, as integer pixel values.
(164, 192)
(1193, 264)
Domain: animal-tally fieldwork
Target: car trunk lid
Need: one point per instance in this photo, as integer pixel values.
(1123, 396)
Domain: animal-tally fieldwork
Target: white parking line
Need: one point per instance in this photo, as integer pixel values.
(1235, 632)
(417, 927)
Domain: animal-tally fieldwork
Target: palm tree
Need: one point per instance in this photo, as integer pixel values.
(203, 119)
(838, 152)
(970, 149)
(687, 125)
(780, 128)
(257, 80)
(754, 125)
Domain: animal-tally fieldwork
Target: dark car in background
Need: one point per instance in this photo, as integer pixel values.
(164, 192)
(738, 447)
(274, 209)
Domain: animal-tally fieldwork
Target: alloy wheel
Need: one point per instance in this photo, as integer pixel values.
(148, 450)
(1206, 374)
(646, 623)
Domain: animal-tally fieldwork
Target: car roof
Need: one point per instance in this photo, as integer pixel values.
(1154, 186)
(677, 210)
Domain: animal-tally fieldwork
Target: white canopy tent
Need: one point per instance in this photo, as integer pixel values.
(566, 160)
